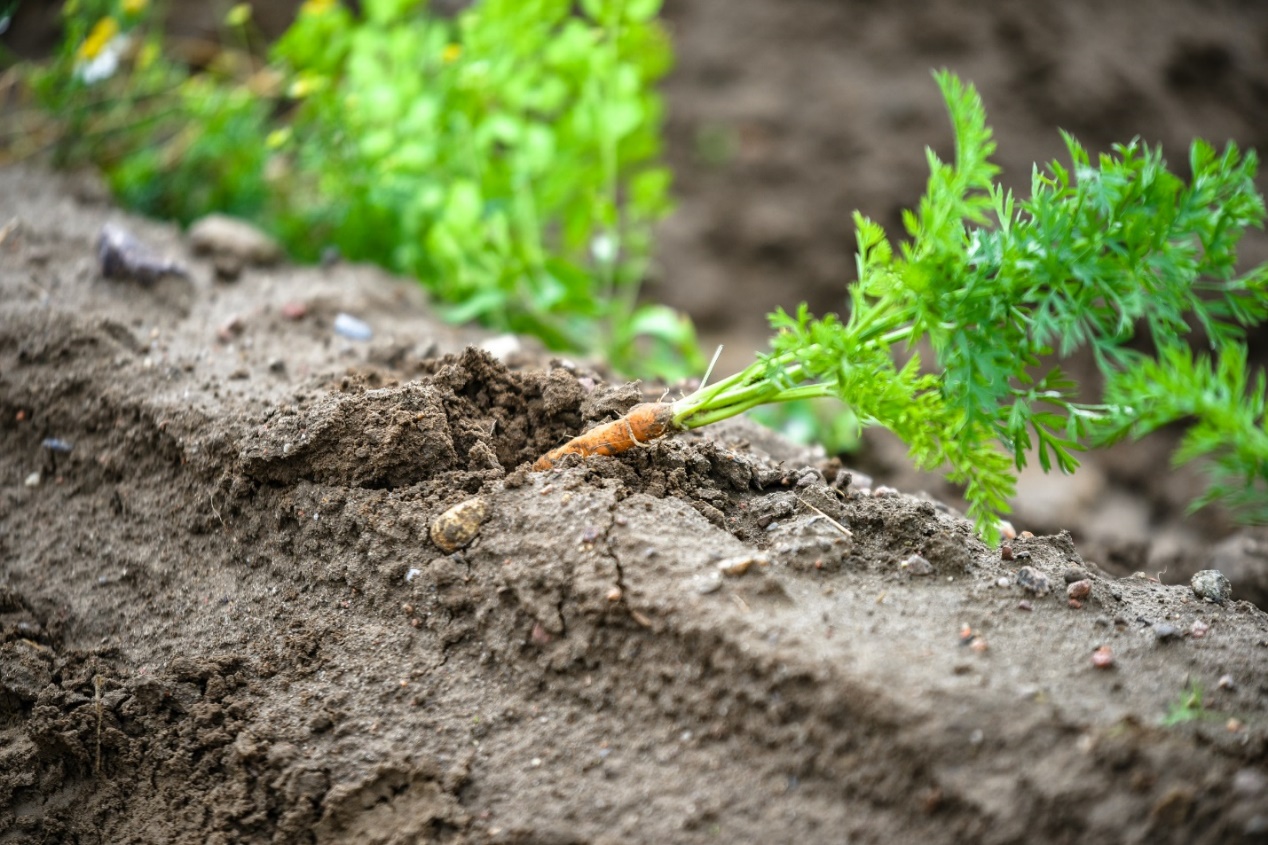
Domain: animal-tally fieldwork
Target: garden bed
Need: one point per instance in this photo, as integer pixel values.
(224, 618)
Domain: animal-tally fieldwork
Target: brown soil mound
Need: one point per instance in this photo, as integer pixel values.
(223, 618)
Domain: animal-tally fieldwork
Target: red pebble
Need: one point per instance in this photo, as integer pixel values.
(1103, 657)
(294, 310)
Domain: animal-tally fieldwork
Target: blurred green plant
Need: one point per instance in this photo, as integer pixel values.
(508, 157)
(1188, 707)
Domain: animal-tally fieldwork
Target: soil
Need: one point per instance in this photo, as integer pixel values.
(225, 615)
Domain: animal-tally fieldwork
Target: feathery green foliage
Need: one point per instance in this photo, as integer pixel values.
(1119, 256)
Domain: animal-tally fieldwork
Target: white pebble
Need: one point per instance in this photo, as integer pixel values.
(352, 328)
(502, 346)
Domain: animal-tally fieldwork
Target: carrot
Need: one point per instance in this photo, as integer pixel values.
(639, 425)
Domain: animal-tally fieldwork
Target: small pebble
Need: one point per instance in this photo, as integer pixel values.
(1199, 629)
(221, 235)
(458, 526)
(1033, 580)
(885, 492)
(1250, 781)
(1074, 604)
(1006, 530)
(229, 329)
(916, 565)
(1072, 575)
(736, 566)
(1079, 589)
(1005, 552)
(1026, 535)
(1003, 582)
(502, 346)
(1210, 584)
(1025, 604)
(1164, 632)
(294, 310)
(56, 444)
(708, 583)
(1226, 683)
(412, 574)
(32, 480)
(1103, 657)
(123, 256)
(809, 479)
(352, 328)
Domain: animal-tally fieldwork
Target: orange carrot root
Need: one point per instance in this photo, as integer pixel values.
(642, 423)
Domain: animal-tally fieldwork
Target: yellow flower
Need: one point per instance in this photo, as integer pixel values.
(316, 7)
(102, 34)
(135, 7)
(305, 84)
(451, 53)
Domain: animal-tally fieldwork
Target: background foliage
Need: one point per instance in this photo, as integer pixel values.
(508, 157)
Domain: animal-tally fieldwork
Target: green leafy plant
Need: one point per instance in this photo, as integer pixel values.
(1116, 256)
(508, 156)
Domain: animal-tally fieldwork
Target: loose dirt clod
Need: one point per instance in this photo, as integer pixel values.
(1210, 584)
(916, 565)
(1033, 580)
(458, 526)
